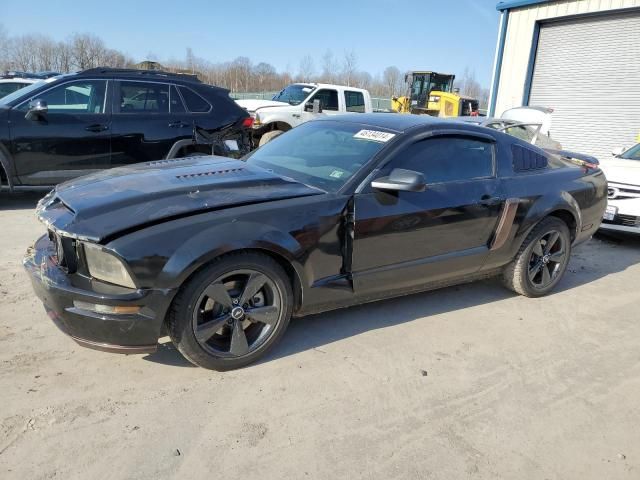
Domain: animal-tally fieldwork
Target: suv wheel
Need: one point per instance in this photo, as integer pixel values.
(267, 137)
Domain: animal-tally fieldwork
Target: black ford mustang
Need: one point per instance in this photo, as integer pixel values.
(336, 212)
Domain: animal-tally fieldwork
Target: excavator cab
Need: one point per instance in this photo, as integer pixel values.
(432, 93)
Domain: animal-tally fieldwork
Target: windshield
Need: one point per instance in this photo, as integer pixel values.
(293, 94)
(632, 154)
(426, 83)
(19, 93)
(323, 154)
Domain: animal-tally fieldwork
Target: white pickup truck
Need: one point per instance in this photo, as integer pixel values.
(299, 103)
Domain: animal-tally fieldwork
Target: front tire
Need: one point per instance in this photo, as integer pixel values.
(541, 261)
(232, 312)
(267, 137)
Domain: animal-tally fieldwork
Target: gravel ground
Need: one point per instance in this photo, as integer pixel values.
(465, 382)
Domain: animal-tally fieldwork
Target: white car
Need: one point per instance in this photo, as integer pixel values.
(10, 83)
(623, 204)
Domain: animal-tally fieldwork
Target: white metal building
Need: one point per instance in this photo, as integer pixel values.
(579, 57)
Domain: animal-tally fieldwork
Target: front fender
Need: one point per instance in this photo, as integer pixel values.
(278, 116)
(220, 239)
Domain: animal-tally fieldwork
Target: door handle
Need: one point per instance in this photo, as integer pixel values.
(489, 201)
(178, 124)
(97, 127)
(295, 115)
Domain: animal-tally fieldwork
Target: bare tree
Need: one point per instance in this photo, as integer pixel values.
(85, 50)
(392, 80)
(5, 48)
(23, 53)
(307, 68)
(191, 61)
(349, 66)
(329, 68)
(468, 84)
(264, 74)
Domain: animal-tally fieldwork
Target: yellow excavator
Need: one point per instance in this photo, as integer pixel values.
(432, 93)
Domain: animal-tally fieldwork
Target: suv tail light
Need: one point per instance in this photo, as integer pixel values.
(247, 122)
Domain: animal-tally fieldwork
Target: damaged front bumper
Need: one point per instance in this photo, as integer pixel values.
(76, 304)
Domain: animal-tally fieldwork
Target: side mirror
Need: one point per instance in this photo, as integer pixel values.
(616, 152)
(401, 180)
(37, 109)
(313, 107)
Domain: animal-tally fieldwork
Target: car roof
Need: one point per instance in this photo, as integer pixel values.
(329, 85)
(138, 73)
(475, 120)
(19, 80)
(392, 121)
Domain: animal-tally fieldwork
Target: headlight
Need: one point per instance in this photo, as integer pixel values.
(105, 266)
(434, 98)
(256, 119)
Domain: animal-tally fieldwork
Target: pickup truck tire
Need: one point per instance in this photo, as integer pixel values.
(267, 137)
(202, 321)
(541, 261)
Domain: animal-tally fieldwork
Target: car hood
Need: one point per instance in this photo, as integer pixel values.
(253, 105)
(107, 203)
(621, 170)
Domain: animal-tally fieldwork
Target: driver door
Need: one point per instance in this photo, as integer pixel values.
(405, 239)
(72, 138)
(329, 104)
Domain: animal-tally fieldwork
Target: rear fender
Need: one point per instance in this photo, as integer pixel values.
(543, 207)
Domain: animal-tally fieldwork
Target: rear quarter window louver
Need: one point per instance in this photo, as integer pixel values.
(525, 159)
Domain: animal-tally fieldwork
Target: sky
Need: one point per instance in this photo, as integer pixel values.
(444, 35)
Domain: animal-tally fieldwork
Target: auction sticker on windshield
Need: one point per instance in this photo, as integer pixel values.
(374, 135)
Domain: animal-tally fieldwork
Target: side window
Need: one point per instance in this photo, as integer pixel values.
(520, 131)
(354, 101)
(328, 99)
(7, 88)
(448, 159)
(176, 105)
(194, 102)
(79, 97)
(142, 97)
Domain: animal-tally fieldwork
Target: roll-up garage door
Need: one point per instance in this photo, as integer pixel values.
(588, 71)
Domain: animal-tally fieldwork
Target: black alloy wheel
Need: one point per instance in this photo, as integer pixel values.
(541, 260)
(548, 256)
(231, 312)
(236, 313)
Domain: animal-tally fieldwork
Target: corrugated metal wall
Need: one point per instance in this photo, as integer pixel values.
(520, 34)
(588, 71)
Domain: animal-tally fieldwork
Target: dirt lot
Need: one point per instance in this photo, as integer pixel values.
(466, 382)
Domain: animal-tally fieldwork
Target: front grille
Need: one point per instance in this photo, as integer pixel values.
(621, 191)
(626, 220)
(66, 255)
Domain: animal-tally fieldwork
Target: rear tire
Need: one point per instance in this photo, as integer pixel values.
(232, 312)
(541, 261)
(267, 137)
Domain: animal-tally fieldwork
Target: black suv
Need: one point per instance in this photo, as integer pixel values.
(74, 124)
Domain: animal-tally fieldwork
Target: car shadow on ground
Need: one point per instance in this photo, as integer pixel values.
(25, 200)
(315, 331)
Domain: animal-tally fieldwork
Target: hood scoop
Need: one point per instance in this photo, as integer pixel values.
(188, 176)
